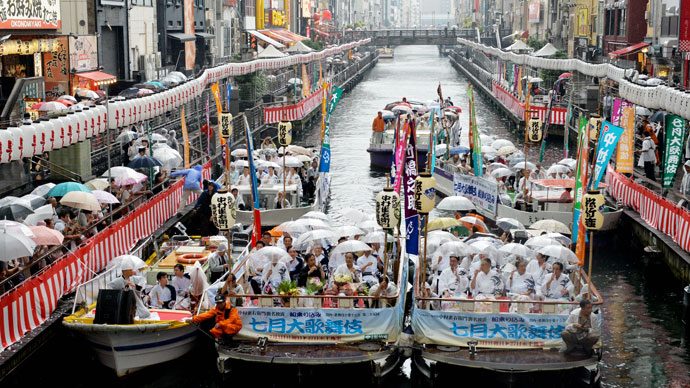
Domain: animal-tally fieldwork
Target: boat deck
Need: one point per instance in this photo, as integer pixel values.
(305, 354)
(527, 360)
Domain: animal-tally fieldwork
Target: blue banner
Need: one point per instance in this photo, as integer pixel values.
(229, 90)
(503, 330)
(608, 138)
(409, 176)
(250, 159)
(325, 163)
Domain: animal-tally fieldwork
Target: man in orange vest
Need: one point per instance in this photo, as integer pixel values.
(227, 320)
(378, 127)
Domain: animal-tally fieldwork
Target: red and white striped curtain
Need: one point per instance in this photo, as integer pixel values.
(29, 305)
(656, 211)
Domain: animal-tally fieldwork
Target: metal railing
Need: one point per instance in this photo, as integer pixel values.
(87, 292)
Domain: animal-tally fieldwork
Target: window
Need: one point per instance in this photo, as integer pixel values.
(227, 41)
(249, 8)
(144, 3)
(622, 22)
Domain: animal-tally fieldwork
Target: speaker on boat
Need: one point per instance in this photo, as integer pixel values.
(116, 307)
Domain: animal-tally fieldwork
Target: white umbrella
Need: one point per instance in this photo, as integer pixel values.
(43, 189)
(348, 231)
(439, 237)
(521, 166)
(291, 228)
(369, 226)
(508, 224)
(639, 110)
(486, 139)
(81, 200)
(36, 201)
(272, 252)
(16, 227)
(316, 214)
(557, 169)
(299, 150)
(559, 252)
(569, 162)
(12, 200)
(354, 215)
(506, 150)
(169, 157)
(350, 246)
(240, 152)
(97, 184)
(456, 202)
(483, 247)
(129, 260)
(14, 245)
(454, 248)
(320, 235)
(241, 163)
(157, 137)
(502, 172)
(496, 165)
(378, 237)
(126, 136)
(500, 143)
(540, 241)
(291, 161)
(517, 249)
(312, 223)
(552, 226)
(119, 171)
(104, 197)
(40, 214)
(303, 158)
(565, 241)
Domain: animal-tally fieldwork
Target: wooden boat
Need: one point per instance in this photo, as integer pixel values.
(544, 205)
(381, 153)
(483, 340)
(386, 53)
(270, 216)
(128, 348)
(316, 333)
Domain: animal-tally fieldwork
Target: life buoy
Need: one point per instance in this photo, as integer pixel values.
(191, 258)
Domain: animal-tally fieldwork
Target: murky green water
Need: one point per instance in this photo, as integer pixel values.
(643, 336)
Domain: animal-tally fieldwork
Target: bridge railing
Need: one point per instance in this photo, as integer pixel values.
(448, 33)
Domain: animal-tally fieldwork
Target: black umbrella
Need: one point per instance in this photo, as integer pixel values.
(14, 212)
(129, 92)
(144, 162)
(657, 116)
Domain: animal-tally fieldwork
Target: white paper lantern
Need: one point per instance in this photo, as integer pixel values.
(58, 137)
(16, 142)
(28, 140)
(90, 121)
(388, 208)
(5, 146)
(223, 210)
(425, 192)
(41, 136)
(81, 125)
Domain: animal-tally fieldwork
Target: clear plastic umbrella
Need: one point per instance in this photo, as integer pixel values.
(36, 201)
(133, 261)
(350, 246)
(369, 226)
(508, 224)
(454, 203)
(521, 166)
(559, 252)
(169, 158)
(316, 214)
(320, 236)
(16, 227)
(348, 231)
(552, 226)
(378, 237)
(517, 249)
(14, 245)
(43, 189)
(500, 143)
(16, 211)
(540, 241)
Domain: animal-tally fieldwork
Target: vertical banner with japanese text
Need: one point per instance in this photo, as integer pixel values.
(673, 153)
(409, 176)
(608, 138)
(624, 157)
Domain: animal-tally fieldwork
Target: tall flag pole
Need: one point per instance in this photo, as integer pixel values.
(569, 117)
(325, 162)
(548, 118)
(580, 184)
(476, 139)
(256, 230)
(400, 155)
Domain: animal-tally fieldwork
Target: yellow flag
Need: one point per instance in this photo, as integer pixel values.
(520, 82)
(323, 109)
(185, 136)
(306, 89)
(216, 95)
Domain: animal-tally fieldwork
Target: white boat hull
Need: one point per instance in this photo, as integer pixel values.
(274, 217)
(129, 351)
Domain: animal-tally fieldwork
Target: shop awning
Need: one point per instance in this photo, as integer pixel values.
(98, 77)
(284, 35)
(267, 39)
(628, 50)
(204, 35)
(181, 37)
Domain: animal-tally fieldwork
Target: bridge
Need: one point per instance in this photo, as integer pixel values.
(399, 37)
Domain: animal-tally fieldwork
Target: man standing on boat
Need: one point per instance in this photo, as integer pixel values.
(581, 330)
(378, 127)
(227, 320)
(129, 281)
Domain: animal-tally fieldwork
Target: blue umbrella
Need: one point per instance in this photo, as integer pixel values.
(65, 187)
(144, 162)
(459, 150)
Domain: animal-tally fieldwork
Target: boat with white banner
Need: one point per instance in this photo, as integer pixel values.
(500, 341)
(545, 204)
(314, 334)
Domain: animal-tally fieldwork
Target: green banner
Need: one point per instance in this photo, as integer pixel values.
(476, 140)
(337, 92)
(673, 153)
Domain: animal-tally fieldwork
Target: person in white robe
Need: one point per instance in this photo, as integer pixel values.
(129, 281)
(275, 273)
(486, 282)
(521, 282)
(453, 281)
(368, 264)
(269, 178)
(162, 295)
(245, 178)
(558, 286)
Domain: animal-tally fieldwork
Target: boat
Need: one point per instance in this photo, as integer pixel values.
(270, 216)
(544, 205)
(386, 53)
(485, 340)
(129, 348)
(382, 147)
(316, 334)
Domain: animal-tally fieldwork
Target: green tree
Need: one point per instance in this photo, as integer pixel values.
(550, 76)
(252, 86)
(536, 44)
(317, 46)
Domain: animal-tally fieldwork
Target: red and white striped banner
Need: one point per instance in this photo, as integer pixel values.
(29, 305)
(656, 211)
(293, 112)
(558, 115)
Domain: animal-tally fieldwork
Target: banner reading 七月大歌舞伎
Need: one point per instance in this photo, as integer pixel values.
(673, 153)
(482, 192)
(489, 330)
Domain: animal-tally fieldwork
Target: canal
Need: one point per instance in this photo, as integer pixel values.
(645, 344)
